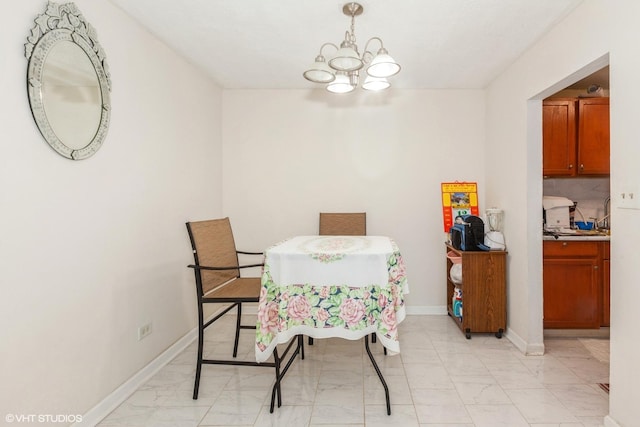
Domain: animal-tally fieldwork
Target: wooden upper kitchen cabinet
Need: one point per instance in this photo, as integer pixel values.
(593, 136)
(575, 137)
(559, 137)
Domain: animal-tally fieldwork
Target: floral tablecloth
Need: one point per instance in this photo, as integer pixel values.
(331, 286)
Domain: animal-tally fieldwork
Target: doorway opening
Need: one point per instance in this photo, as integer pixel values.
(576, 274)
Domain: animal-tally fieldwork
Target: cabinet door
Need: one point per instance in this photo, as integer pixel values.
(606, 284)
(606, 292)
(558, 137)
(593, 136)
(571, 293)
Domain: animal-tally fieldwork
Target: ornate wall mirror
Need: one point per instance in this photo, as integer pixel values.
(68, 81)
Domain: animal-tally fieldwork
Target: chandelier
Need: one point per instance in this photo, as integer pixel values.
(342, 73)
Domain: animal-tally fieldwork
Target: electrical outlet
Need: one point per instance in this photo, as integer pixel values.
(630, 200)
(144, 331)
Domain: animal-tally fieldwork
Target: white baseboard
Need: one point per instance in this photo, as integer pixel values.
(610, 422)
(527, 349)
(122, 393)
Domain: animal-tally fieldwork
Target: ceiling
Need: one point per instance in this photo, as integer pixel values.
(267, 44)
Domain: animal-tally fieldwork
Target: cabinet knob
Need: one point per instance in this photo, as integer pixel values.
(571, 166)
(595, 267)
(564, 243)
(581, 167)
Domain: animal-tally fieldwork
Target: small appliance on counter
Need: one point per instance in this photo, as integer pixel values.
(494, 238)
(557, 212)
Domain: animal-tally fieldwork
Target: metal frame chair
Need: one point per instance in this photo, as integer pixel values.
(343, 224)
(218, 280)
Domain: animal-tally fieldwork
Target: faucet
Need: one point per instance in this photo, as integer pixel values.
(606, 220)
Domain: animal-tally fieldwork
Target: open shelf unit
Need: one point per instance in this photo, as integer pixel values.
(484, 291)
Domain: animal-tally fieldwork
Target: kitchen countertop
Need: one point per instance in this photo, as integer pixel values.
(578, 235)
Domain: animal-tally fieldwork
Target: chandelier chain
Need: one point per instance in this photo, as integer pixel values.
(353, 32)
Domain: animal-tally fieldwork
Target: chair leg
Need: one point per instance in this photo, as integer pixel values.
(239, 317)
(196, 386)
(301, 345)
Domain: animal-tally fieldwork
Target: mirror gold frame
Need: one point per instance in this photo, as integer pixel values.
(68, 82)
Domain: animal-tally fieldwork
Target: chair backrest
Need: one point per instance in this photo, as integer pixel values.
(213, 246)
(345, 224)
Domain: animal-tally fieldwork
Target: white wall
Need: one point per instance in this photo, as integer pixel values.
(291, 154)
(596, 33)
(92, 249)
(625, 152)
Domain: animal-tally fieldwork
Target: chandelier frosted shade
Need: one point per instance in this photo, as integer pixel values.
(346, 59)
(383, 65)
(375, 83)
(342, 84)
(342, 71)
(319, 72)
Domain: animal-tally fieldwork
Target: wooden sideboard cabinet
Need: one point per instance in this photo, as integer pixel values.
(575, 284)
(484, 291)
(575, 137)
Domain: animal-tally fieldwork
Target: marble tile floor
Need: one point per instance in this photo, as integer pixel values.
(440, 379)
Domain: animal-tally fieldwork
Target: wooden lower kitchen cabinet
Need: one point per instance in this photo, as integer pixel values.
(573, 276)
(606, 285)
(484, 291)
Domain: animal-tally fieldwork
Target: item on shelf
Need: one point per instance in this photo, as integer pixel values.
(454, 257)
(494, 238)
(467, 234)
(456, 302)
(455, 273)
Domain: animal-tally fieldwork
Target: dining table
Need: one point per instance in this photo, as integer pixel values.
(332, 286)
